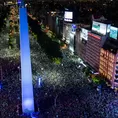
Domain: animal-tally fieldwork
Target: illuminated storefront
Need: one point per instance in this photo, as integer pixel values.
(69, 31)
(81, 42)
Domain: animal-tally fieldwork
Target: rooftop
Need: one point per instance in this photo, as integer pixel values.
(111, 45)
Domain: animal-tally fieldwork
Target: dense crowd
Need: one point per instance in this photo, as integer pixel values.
(9, 77)
(11, 90)
(65, 91)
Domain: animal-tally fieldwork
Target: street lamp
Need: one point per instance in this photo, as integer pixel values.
(1, 77)
(19, 73)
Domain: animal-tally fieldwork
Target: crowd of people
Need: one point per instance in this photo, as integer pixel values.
(65, 90)
(11, 90)
(9, 76)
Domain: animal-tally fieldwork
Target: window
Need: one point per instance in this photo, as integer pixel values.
(116, 80)
(116, 71)
(116, 76)
(116, 67)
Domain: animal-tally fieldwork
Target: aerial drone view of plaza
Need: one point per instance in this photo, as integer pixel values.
(58, 59)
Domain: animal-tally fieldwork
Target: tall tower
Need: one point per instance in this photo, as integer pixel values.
(26, 71)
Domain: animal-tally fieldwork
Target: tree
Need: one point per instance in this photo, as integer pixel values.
(87, 71)
(96, 80)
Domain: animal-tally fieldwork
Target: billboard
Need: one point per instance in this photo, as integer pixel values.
(99, 28)
(84, 34)
(68, 16)
(113, 32)
(74, 27)
(18, 1)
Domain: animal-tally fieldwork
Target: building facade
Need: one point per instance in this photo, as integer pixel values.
(69, 32)
(93, 50)
(108, 67)
(81, 43)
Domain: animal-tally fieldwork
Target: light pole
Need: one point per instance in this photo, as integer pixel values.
(1, 73)
(19, 73)
(1, 77)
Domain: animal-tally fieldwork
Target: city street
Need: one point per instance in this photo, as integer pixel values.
(65, 78)
(65, 92)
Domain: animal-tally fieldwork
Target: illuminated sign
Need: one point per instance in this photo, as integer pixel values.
(19, 1)
(100, 28)
(108, 28)
(74, 27)
(84, 34)
(113, 32)
(68, 16)
(68, 20)
(93, 35)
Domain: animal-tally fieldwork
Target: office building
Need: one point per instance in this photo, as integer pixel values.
(93, 50)
(81, 42)
(108, 67)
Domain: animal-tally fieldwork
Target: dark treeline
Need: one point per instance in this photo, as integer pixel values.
(106, 8)
(4, 11)
(50, 47)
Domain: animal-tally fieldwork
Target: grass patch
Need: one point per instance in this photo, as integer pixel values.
(56, 60)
